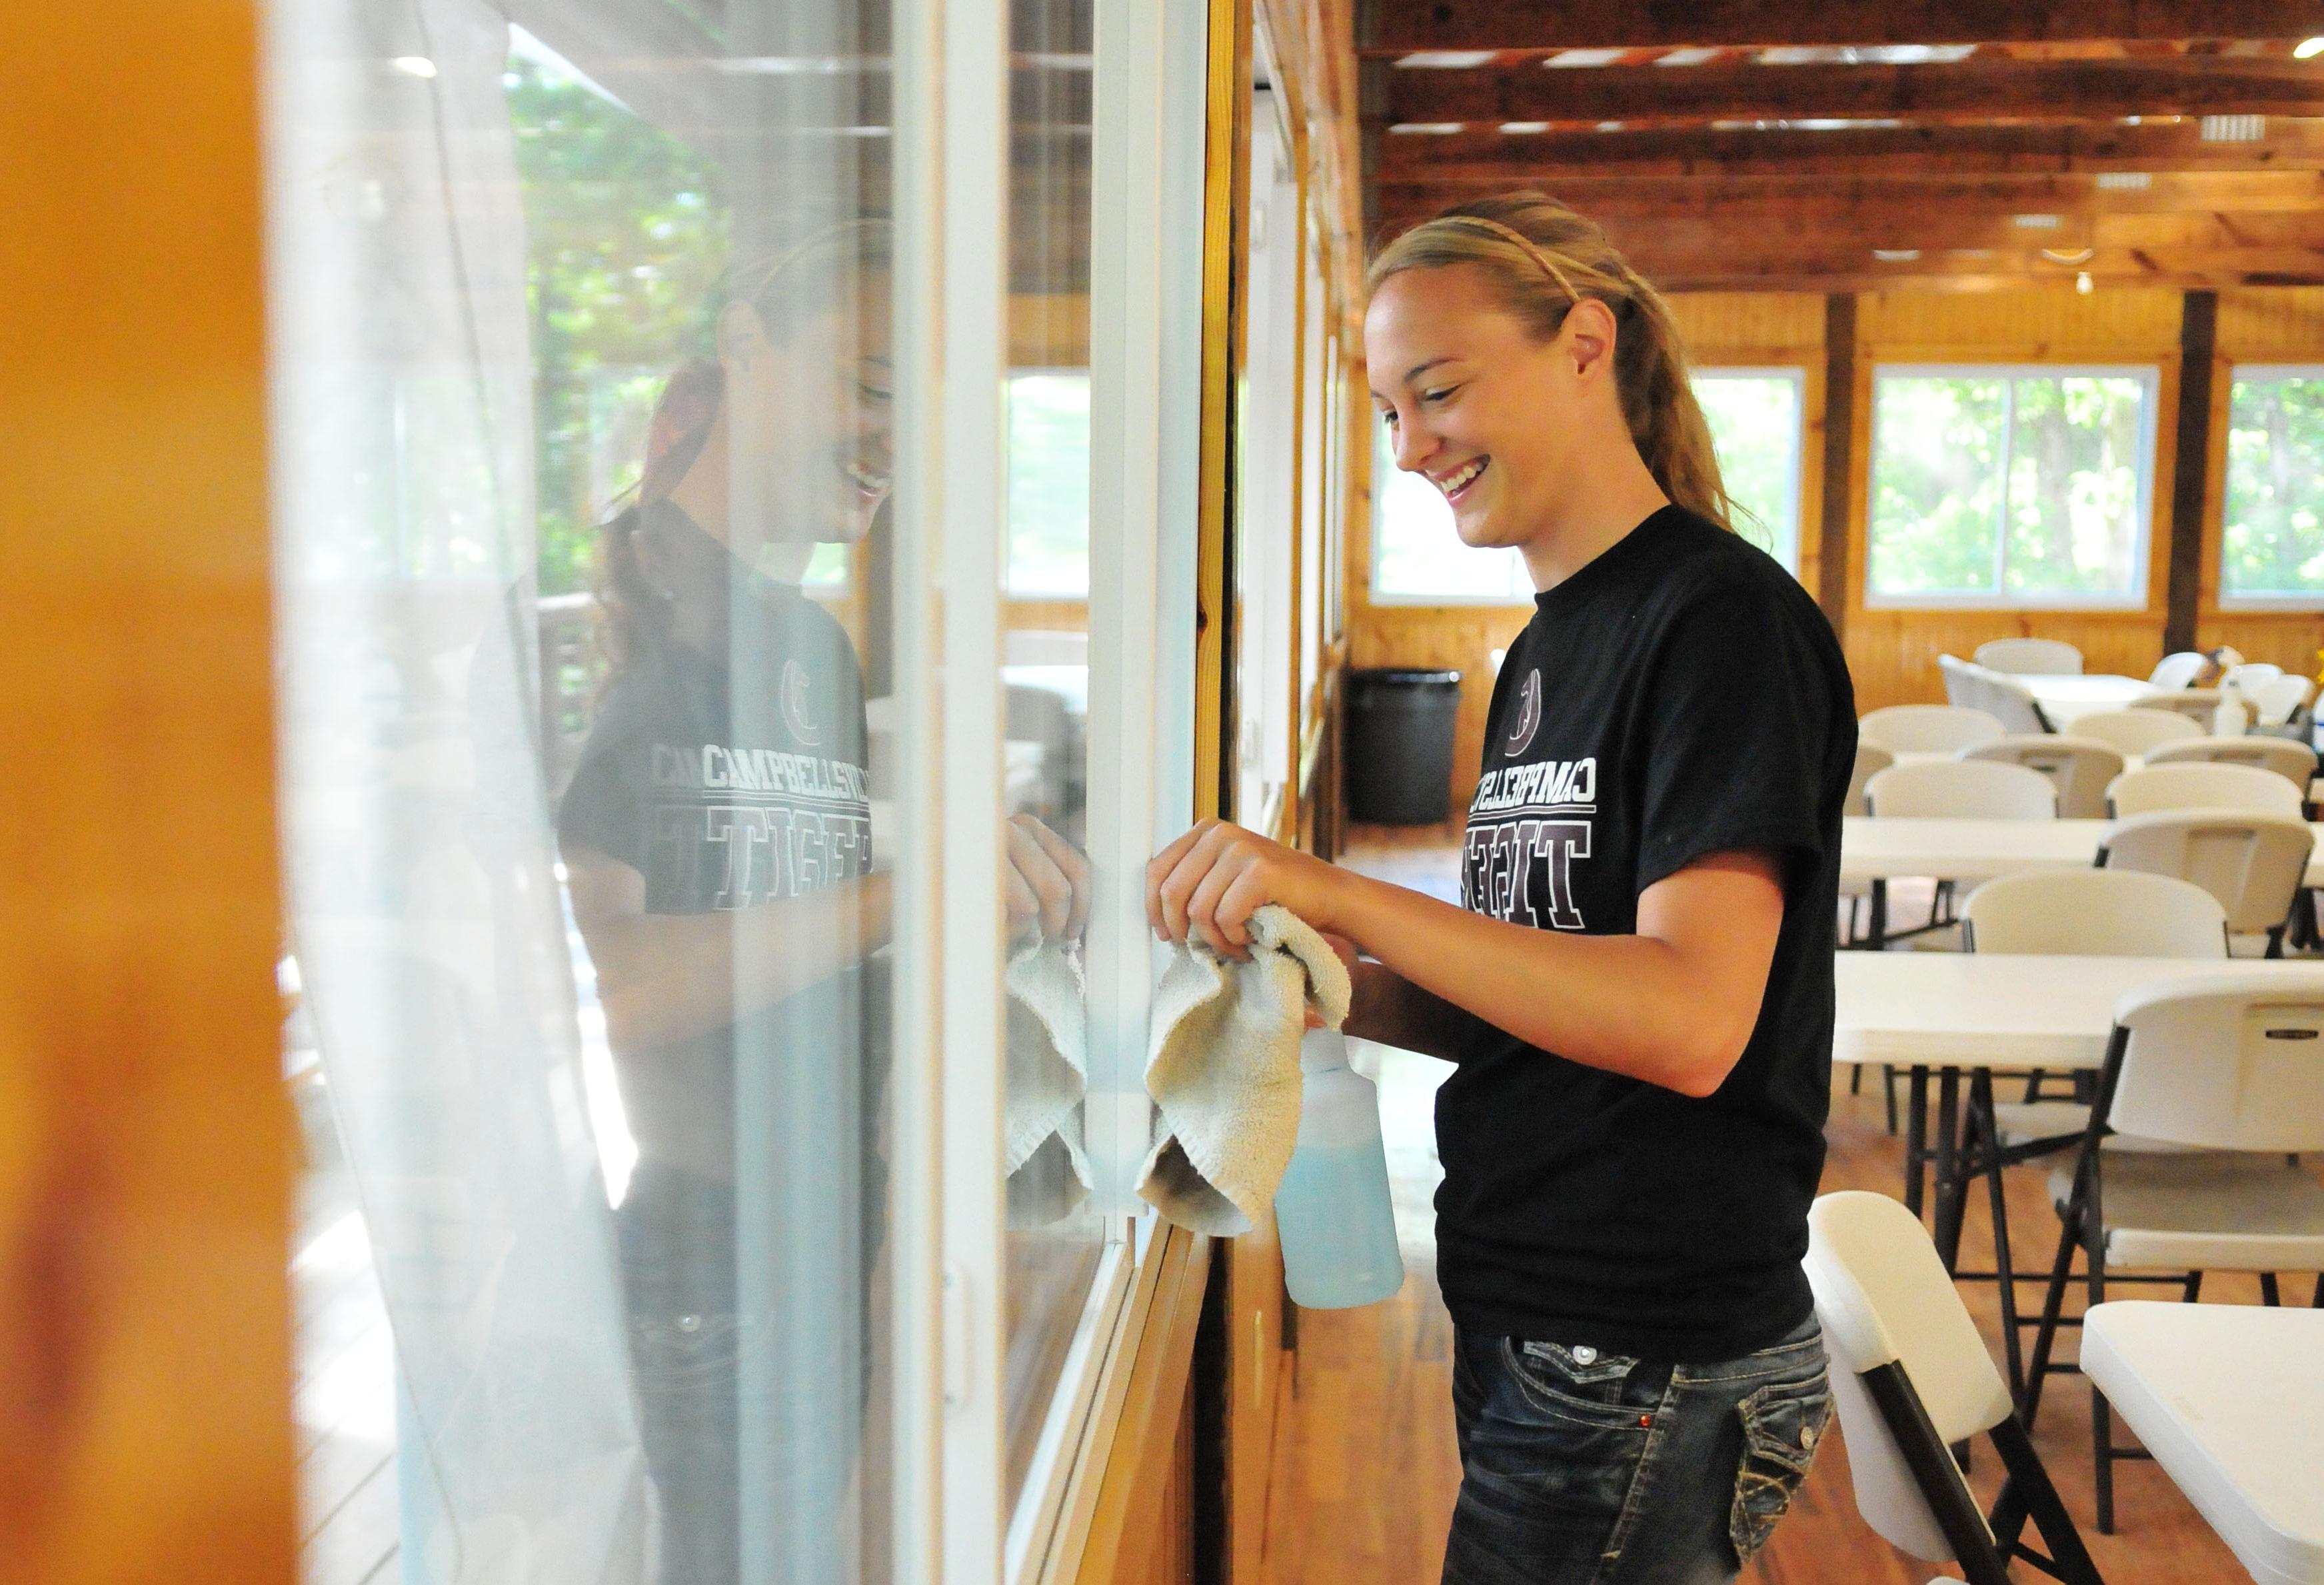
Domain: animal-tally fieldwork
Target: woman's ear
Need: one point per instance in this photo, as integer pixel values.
(1589, 332)
(741, 334)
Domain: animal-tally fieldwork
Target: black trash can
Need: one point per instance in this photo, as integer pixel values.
(1399, 749)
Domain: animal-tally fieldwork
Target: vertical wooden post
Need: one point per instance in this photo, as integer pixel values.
(2198, 325)
(1840, 424)
(145, 1144)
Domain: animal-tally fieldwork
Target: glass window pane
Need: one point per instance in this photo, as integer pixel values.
(1053, 1240)
(2074, 460)
(1754, 428)
(1936, 484)
(2272, 541)
(582, 442)
(1417, 553)
(1048, 484)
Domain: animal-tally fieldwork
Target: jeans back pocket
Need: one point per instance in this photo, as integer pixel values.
(1783, 1423)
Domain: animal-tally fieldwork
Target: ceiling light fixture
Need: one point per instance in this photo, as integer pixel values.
(1445, 59)
(2124, 181)
(2084, 284)
(2233, 129)
(2036, 222)
(414, 66)
(2308, 49)
(1895, 256)
(2071, 257)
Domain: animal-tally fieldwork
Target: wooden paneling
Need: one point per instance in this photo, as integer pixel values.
(2283, 323)
(145, 1143)
(2060, 322)
(1501, 26)
(1141, 1527)
(1727, 326)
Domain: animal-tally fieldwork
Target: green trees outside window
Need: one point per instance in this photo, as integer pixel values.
(2272, 545)
(2011, 485)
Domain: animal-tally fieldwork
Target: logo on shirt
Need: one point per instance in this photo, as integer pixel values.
(796, 714)
(1528, 721)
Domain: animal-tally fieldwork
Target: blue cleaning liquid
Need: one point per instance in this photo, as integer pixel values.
(1338, 1227)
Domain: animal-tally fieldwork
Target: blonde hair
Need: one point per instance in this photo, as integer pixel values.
(1542, 259)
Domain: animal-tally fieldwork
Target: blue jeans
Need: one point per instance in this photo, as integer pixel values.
(1581, 1468)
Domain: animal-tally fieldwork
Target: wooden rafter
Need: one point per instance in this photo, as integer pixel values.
(1492, 157)
(1399, 26)
(1959, 91)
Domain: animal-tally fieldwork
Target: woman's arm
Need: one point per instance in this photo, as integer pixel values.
(1674, 1004)
(668, 977)
(1387, 1008)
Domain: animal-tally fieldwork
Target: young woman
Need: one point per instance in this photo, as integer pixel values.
(718, 844)
(1637, 988)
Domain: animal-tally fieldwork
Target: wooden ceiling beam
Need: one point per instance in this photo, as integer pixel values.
(1401, 26)
(1486, 154)
(1756, 199)
(1959, 91)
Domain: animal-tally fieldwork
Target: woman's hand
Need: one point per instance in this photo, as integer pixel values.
(1207, 884)
(1047, 883)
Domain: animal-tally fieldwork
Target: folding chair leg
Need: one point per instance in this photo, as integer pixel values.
(2053, 1300)
(2028, 1492)
(2267, 1291)
(2316, 1302)
(2194, 1287)
(2275, 942)
(1888, 1082)
(1986, 1137)
(1938, 1478)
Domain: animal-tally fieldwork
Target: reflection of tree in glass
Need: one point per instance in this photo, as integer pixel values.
(2274, 537)
(1048, 484)
(626, 238)
(2073, 485)
(1936, 484)
(1754, 428)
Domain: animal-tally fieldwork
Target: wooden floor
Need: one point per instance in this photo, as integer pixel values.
(1366, 1469)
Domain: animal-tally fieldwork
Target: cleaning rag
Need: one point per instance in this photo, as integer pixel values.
(1047, 1059)
(1224, 1070)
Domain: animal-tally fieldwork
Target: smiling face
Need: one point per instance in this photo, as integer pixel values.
(813, 436)
(1477, 405)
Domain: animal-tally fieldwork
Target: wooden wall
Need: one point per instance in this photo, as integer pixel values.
(1893, 652)
(145, 1145)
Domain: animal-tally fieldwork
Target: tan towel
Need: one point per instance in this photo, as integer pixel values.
(1047, 1067)
(1224, 1071)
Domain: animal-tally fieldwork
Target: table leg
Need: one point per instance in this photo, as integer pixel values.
(1876, 933)
(1916, 1137)
(1947, 1167)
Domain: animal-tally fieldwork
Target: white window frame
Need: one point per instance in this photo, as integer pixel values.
(1007, 549)
(2289, 601)
(952, 180)
(1797, 378)
(2149, 375)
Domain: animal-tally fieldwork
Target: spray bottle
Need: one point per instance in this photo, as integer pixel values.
(1332, 1209)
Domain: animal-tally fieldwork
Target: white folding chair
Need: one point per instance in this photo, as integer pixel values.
(2250, 675)
(2253, 864)
(1910, 1377)
(2234, 1069)
(1960, 681)
(2079, 768)
(2293, 762)
(2030, 656)
(2137, 731)
(1871, 760)
(2205, 785)
(2009, 701)
(1962, 790)
(1927, 729)
(2274, 702)
(2176, 670)
(2083, 913)
(2197, 704)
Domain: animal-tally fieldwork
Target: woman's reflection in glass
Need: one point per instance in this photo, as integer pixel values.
(719, 847)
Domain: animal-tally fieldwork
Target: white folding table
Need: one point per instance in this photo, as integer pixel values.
(1875, 850)
(2229, 1399)
(2065, 697)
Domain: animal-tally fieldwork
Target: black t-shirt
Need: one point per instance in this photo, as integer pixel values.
(1680, 696)
(728, 782)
